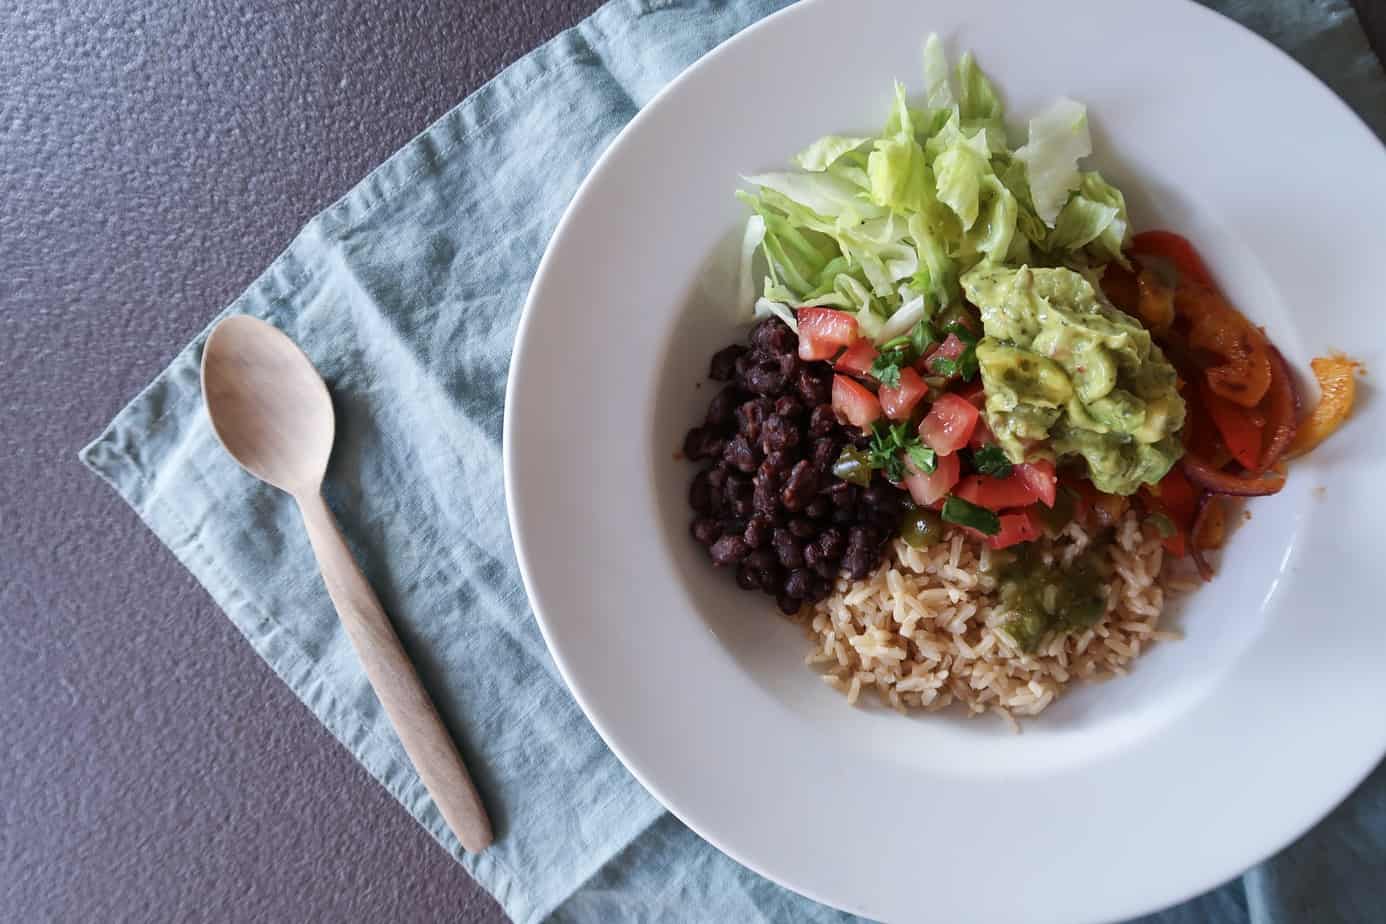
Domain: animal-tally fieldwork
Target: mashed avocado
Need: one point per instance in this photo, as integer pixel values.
(1066, 374)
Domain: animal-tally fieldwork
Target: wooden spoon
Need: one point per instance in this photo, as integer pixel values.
(271, 410)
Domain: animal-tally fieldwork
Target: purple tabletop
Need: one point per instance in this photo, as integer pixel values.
(153, 159)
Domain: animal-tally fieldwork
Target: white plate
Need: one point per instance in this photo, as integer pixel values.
(1124, 797)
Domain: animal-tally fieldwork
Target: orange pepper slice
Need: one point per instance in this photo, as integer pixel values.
(1337, 377)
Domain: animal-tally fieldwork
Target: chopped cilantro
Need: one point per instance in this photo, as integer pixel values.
(924, 459)
(886, 368)
(960, 512)
(889, 442)
(943, 366)
(991, 460)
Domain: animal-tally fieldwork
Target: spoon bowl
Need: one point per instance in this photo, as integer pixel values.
(272, 412)
(268, 405)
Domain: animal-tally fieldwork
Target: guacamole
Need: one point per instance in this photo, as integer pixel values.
(1067, 374)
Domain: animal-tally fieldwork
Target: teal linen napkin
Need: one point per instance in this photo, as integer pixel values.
(406, 294)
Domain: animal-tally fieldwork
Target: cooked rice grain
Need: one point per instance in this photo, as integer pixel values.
(923, 631)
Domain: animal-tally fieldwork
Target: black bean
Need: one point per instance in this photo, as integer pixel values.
(812, 554)
(735, 487)
(777, 461)
(706, 530)
(878, 494)
(716, 478)
(778, 434)
(764, 378)
(723, 365)
(743, 501)
(700, 494)
(703, 443)
(763, 560)
(766, 497)
(801, 528)
(826, 569)
(721, 410)
(750, 416)
(787, 604)
(789, 368)
(789, 406)
(728, 550)
(858, 562)
(825, 453)
(822, 587)
(747, 578)
(820, 508)
(831, 544)
(884, 520)
(822, 420)
(741, 454)
(799, 583)
(788, 550)
(844, 495)
(758, 531)
(800, 486)
(814, 383)
(861, 535)
(774, 336)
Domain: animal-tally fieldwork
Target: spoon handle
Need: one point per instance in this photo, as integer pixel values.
(392, 676)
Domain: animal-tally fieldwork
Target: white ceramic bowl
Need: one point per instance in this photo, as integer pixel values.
(1124, 797)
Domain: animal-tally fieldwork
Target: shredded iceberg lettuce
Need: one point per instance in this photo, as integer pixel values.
(884, 226)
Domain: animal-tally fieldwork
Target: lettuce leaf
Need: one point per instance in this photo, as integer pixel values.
(827, 150)
(1059, 138)
(1094, 221)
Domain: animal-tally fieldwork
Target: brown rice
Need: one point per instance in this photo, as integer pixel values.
(923, 631)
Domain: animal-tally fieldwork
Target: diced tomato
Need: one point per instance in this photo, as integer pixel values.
(995, 493)
(930, 488)
(1024, 526)
(858, 358)
(949, 424)
(981, 435)
(1237, 426)
(1177, 250)
(1175, 497)
(1041, 479)
(974, 394)
(1027, 483)
(898, 403)
(823, 331)
(951, 348)
(1178, 497)
(853, 403)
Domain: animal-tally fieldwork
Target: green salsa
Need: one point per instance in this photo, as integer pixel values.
(1068, 375)
(1043, 598)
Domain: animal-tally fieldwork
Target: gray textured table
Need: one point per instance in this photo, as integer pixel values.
(153, 159)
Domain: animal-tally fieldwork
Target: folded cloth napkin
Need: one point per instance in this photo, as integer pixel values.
(406, 294)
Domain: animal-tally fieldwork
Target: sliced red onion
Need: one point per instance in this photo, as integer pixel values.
(1205, 570)
(1284, 410)
(1219, 482)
